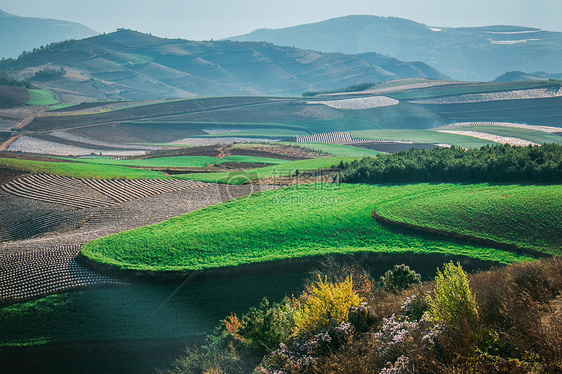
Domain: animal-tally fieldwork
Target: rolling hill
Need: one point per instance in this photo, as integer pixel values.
(18, 34)
(471, 54)
(131, 65)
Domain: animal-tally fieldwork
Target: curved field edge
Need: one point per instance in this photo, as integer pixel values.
(79, 170)
(524, 217)
(289, 223)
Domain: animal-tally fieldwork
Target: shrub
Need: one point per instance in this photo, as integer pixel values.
(452, 302)
(337, 272)
(399, 278)
(265, 327)
(325, 305)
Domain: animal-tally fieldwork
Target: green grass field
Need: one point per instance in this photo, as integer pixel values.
(179, 161)
(301, 221)
(535, 136)
(286, 169)
(62, 106)
(527, 216)
(41, 97)
(421, 136)
(78, 169)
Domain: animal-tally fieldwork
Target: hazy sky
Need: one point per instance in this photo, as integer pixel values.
(214, 19)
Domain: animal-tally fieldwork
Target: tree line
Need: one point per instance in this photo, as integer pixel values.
(496, 164)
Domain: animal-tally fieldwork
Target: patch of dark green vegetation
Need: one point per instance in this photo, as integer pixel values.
(9, 81)
(354, 88)
(496, 164)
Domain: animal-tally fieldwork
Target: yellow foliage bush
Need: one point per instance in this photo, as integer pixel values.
(325, 304)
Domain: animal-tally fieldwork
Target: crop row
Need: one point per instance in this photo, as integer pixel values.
(549, 129)
(65, 135)
(482, 97)
(341, 137)
(27, 274)
(19, 113)
(30, 144)
(91, 193)
(53, 221)
(54, 189)
(121, 190)
(494, 138)
(359, 103)
(80, 110)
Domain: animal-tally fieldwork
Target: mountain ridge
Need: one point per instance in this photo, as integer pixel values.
(18, 34)
(127, 64)
(465, 53)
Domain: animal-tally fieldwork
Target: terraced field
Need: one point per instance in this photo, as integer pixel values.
(34, 273)
(42, 234)
(526, 216)
(288, 223)
(82, 197)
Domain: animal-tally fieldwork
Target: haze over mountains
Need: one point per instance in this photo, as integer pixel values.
(471, 54)
(321, 56)
(25, 33)
(131, 65)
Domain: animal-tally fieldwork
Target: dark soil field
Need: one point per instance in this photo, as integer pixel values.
(11, 96)
(144, 112)
(545, 111)
(85, 105)
(283, 152)
(7, 175)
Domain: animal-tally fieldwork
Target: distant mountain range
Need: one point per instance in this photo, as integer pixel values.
(131, 65)
(471, 54)
(18, 34)
(519, 76)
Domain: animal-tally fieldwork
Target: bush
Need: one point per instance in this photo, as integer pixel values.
(399, 278)
(452, 303)
(325, 305)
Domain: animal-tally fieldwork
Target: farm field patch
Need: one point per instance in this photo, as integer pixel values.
(260, 133)
(466, 88)
(283, 170)
(525, 215)
(534, 136)
(41, 97)
(421, 136)
(78, 170)
(300, 221)
(179, 161)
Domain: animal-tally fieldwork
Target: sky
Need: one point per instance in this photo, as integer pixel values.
(216, 19)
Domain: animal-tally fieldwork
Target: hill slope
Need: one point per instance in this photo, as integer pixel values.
(477, 53)
(25, 33)
(131, 65)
